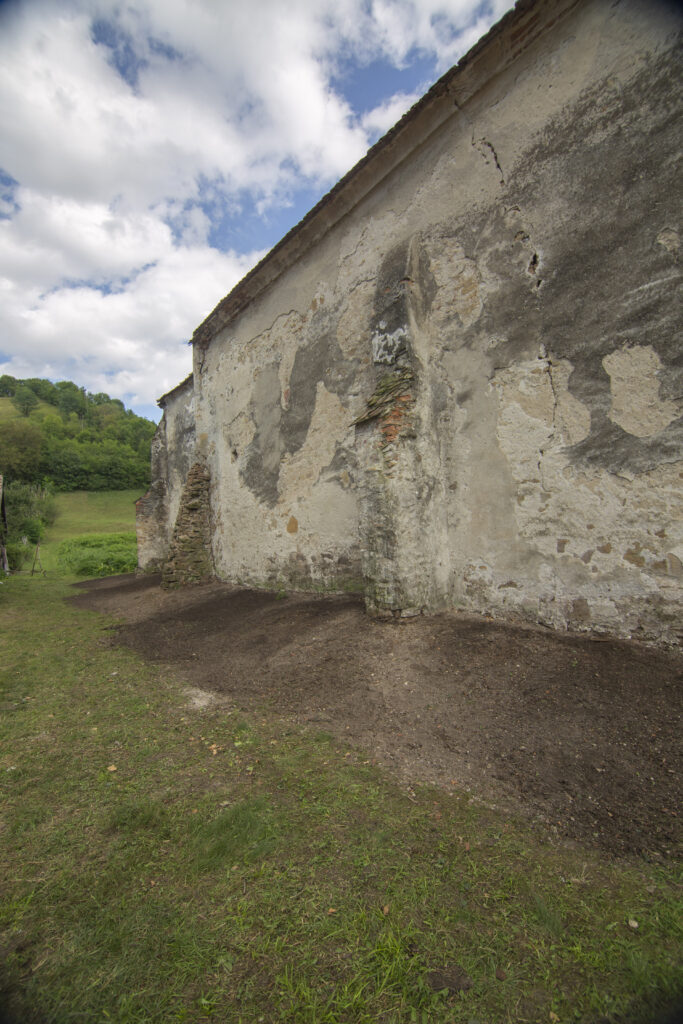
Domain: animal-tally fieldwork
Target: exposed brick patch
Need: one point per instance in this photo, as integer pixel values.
(393, 385)
(393, 418)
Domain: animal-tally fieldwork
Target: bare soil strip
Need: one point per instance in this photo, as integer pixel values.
(580, 734)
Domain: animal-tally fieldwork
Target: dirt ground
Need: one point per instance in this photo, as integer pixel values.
(581, 735)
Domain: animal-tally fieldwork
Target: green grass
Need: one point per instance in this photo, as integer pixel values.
(83, 512)
(94, 512)
(161, 863)
(9, 411)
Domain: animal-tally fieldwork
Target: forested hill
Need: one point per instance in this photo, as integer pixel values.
(61, 435)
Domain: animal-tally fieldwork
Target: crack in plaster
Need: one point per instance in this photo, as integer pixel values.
(542, 451)
(479, 145)
(267, 330)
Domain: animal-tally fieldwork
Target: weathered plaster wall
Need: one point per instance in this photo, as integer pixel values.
(173, 448)
(567, 350)
(468, 391)
(274, 422)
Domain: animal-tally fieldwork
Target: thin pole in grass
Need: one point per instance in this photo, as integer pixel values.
(36, 559)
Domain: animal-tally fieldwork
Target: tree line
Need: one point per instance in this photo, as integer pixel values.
(64, 438)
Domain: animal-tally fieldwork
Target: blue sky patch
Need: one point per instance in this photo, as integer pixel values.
(161, 49)
(8, 204)
(110, 286)
(252, 229)
(122, 55)
(366, 86)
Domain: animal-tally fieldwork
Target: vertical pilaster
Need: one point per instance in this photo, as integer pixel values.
(402, 511)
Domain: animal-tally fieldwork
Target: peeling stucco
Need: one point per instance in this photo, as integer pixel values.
(463, 388)
(634, 385)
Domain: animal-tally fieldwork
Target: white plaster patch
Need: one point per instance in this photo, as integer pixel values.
(636, 405)
(600, 543)
(353, 322)
(329, 424)
(235, 379)
(628, 527)
(525, 416)
(335, 511)
(362, 248)
(286, 337)
(386, 347)
(239, 433)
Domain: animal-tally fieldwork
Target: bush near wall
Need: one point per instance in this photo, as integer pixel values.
(98, 554)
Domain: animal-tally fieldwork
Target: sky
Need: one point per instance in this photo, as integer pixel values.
(152, 151)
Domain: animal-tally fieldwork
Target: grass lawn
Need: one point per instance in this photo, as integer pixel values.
(166, 862)
(80, 512)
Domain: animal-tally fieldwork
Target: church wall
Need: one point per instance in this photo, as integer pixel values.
(172, 454)
(554, 340)
(468, 393)
(277, 394)
(179, 417)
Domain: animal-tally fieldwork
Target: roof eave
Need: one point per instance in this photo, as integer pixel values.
(161, 402)
(494, 52)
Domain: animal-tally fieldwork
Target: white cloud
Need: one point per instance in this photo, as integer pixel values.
(136, 335)
(52, 239)
(105, 262)
(380, 119)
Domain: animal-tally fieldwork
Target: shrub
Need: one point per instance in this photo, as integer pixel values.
(29, 509)
(18, 554)
(21, 445)
(32, 529)
(99, 554)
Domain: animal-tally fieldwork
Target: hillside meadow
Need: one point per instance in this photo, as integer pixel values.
(80, 513)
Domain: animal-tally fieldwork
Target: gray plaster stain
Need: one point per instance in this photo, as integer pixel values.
(261, 468)
(279, 432)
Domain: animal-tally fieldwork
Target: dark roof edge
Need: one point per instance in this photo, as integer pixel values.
(161, 402)
(504, 41)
